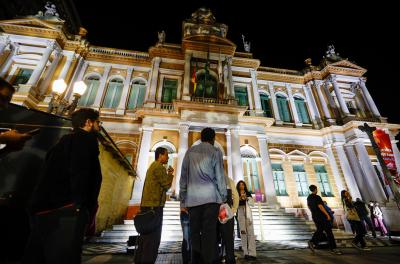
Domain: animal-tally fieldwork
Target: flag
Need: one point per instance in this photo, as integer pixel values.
(194, 79)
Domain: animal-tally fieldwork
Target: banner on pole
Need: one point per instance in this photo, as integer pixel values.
(382, 139)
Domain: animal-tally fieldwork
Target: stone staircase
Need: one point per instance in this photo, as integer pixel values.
(277, 225)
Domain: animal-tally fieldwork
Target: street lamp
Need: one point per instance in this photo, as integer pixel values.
(395, 191)
(61, 105)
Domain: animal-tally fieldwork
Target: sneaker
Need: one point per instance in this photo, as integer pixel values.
(336, 252)
(355, 245)
(366, 248)
(311, 246)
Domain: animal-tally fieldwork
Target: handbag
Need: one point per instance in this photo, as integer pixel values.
(147, 221)
(351, 214)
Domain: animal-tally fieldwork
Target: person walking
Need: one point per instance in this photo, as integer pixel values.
(67, 191)
(378, 218)
(227, 230)
(245, 217)
(202, 190)
(157, 183)
(354, 220)
(363, 213)
(322, 221)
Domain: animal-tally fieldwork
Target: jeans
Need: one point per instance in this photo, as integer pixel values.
(56, 237)
(203, 229)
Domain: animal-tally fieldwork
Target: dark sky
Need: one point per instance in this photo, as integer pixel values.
(282, 33)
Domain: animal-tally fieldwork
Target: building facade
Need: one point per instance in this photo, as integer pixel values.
(279, 130)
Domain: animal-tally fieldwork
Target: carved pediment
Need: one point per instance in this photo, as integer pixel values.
(347, 64)
(29, 22)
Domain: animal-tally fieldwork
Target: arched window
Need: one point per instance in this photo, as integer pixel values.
(265, 104)
(302, 110)
(241, 95)
(283, 108)
(136, 97)
(89, 96)
(113, 95)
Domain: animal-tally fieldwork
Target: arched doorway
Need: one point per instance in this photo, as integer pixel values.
(250, 168)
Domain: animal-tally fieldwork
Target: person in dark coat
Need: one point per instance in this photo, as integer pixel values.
(363, 213)
(66, 193)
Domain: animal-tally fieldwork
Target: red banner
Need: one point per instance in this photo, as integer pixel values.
(383, 141)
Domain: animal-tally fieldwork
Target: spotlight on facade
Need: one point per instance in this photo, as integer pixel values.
(60, 105)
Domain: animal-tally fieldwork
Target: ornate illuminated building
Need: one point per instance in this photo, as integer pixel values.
(280, 130)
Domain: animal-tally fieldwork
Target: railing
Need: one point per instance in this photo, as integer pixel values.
(124, 53)
(256, 113)
(165, 106)
(280, 71)
(209, 100)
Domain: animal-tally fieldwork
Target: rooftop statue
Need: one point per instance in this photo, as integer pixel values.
(161, 37)
(246, 44)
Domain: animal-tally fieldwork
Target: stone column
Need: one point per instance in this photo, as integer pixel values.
(237, 165)
(44, 86)
(42, 64)
(4, 42)
(322, 100)
(369, 99)
(332, 161)
(274, 103)
(230, 78)
(183, 147)
(9, 60)
(229, 153)
(359, 103)
(257, 100)
(125, 92)
(347, 173)
(66, 67)
(266, 166)
(293, 105)
(358, 173)
(78, 76)
(186, 80)
(339, 96)
(142, 165)
(369, 171)
(102, 87)
(151, 97)
(312, 107)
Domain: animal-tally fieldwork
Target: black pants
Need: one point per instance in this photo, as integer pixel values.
(360, 232)
(148, 244)
(203, 230)
(323, 226)
(56, 237)
(368, 221)
(186, 250)
(227, 235)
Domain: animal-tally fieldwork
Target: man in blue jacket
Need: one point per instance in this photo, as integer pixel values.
(202, 190)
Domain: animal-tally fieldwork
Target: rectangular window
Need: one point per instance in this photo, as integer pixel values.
(22, 76)
(301, 180)
(279, 179)
(323, 180)
(170, 87)
(241, 95)
(283, 109)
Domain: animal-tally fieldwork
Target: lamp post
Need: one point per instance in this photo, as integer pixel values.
(60, 105)
(369, 130)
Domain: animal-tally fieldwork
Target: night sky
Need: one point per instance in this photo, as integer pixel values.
(282, 34)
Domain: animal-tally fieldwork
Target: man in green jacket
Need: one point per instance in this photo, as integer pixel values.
(158, 181)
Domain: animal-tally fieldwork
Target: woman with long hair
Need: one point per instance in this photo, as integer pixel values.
(354, 220)
(246, 221)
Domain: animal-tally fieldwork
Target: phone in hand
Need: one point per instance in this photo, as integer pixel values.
(33, 131)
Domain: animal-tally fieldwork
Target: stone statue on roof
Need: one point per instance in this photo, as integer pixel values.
(50, 10)
(161, 37)
(331, 51)
(246, 44)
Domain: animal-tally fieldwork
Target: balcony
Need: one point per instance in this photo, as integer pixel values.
(211, 100)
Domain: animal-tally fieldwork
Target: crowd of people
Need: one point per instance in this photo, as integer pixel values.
(63, 202)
